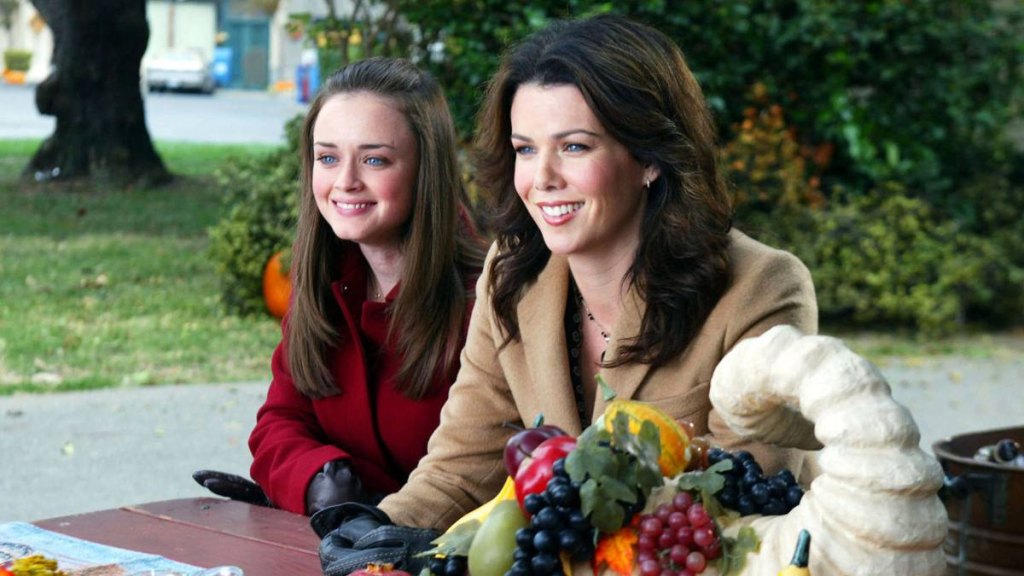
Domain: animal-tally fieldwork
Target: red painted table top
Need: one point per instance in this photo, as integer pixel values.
(204, 532)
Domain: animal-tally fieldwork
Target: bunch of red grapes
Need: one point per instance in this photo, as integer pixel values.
(678, 539)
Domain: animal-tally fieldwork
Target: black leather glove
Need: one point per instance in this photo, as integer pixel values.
(232, 486)
(354, 535)
(336, 484)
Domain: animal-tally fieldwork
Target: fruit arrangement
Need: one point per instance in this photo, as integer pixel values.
(618, 497)
(602, 503)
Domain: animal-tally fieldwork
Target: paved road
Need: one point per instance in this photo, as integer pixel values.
(76, 452)
(228, 116)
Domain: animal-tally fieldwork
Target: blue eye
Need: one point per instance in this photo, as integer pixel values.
(573, 147)
(524, 150)
(326, 159)
(376, 161)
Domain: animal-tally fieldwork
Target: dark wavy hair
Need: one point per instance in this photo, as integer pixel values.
(637, 83)
(440, 243)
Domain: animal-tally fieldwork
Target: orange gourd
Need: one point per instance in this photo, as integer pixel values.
(277, 286)
(675, 443)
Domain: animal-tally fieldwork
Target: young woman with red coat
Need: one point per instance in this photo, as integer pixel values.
(385, 263)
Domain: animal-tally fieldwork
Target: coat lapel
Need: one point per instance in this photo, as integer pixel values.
(541, 324)
(625, 380)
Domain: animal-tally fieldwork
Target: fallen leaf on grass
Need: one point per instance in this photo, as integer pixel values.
(46, 378)
(140, 378)
(99, 281)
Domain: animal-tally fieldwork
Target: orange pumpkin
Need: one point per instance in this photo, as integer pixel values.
(277, 286)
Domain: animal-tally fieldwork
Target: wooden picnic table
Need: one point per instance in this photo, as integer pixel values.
(204, 532)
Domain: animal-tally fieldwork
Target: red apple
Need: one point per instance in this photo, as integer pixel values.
(524, 442)
(537, 470)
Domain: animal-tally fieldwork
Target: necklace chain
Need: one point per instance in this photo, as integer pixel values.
(374, 288)
(604, 333)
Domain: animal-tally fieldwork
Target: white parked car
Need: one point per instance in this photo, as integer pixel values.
(180, 70)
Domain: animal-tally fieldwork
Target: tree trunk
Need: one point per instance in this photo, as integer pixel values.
(94, 92)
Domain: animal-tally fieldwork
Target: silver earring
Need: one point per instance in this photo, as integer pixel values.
(647, 183)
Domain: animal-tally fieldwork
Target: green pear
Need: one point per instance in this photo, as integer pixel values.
(490, 554)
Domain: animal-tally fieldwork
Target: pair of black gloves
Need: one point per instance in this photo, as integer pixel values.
(335, 484)
(353, 532)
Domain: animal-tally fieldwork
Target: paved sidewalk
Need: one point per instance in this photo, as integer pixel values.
(80, 451)
(76, 452)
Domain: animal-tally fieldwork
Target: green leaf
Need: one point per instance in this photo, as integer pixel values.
(455, 542)
(648, 478)
(645, 446)
(613, 489)
(589, 461)
(589, 497)
(735, 550)
(708, 481)
(606, 391)
(608, 519)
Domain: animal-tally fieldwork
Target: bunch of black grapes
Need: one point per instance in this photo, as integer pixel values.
(748, 491)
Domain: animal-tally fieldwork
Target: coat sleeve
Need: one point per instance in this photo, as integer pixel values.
(463, 466)
(288, 444)
(772, 289)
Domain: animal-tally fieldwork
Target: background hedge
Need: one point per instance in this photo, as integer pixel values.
(869, 138)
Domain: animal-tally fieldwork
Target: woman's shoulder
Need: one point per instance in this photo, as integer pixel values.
(748, 256)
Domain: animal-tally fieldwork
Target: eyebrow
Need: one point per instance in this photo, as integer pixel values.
(361, 146)
(558, 135)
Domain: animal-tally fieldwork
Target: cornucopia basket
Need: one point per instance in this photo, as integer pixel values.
(873, 508)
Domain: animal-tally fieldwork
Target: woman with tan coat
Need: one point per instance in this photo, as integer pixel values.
(614, 255)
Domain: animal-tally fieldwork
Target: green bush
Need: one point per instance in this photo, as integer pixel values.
(17, 60)
(916, 92)
(881, 257)
(888, 258)
(998, 196)
(263, 198)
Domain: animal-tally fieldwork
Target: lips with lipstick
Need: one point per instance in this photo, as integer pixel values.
(561, 212)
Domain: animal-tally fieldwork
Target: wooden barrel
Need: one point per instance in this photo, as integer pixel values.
(985, 502)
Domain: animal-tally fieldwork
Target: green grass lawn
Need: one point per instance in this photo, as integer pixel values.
(108, 287)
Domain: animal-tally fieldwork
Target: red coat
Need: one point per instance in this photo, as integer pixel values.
(383, 438)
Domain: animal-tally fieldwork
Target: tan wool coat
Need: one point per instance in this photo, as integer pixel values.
(464, 467)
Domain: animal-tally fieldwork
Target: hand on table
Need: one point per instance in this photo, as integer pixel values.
(355, 535)
(336, 484)
(232, 486)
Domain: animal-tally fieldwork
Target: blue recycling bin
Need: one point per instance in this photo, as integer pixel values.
(222, 65)
(307, 82)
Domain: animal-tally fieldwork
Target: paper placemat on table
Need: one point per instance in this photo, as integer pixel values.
(77, 556)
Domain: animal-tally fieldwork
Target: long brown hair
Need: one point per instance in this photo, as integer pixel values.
(440, 244)
(638, 85)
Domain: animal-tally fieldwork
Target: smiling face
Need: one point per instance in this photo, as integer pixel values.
(365, 162)
(582, 187)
